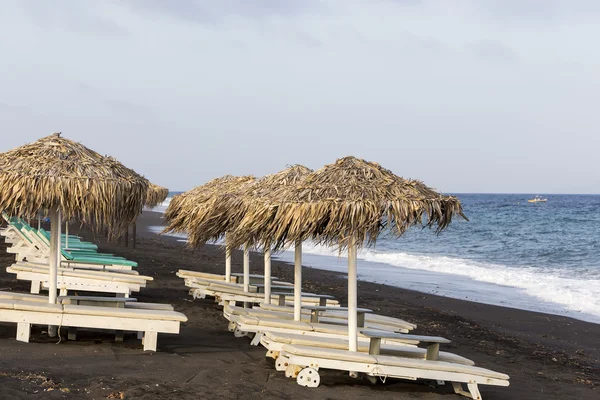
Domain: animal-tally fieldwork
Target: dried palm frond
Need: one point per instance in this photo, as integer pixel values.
(155, 195)
(185, 208)
(225, 211)
(351, 198)
(55, 172)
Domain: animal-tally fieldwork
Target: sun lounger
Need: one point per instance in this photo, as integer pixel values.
(256, 326)
(129, 302)
(80, 280)
(34, 246)
(149, 322)
(274, 343)
(303, 364)
(342, 316)
(226, 292)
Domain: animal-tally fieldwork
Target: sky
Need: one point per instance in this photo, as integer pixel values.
(493, 96)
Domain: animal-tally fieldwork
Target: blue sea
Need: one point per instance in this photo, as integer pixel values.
(540, 257)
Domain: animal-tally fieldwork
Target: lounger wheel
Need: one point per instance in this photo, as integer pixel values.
(309, 377)
(239, 333)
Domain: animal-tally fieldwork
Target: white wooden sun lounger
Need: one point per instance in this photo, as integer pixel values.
(304, 363)
(229, 311)
(256, 326)
(150, 322)
(234, 296)
(225, 292)
(274, 343)
(129, 302)
(70, 279)
(343, 316)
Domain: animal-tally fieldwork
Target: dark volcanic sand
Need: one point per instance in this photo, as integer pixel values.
(546, 356)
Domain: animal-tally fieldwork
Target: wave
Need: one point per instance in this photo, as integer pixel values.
(577, 291)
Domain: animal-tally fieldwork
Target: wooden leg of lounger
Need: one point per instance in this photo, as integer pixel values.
(35, 287)
(375, 346)
(119, 336)
(322, 301)
(282, 299)
(474, 390)
(23, 332)
(433, 352)
(256, 340)
(361, 320)
(150, 340)
(314, 316)
(72, 333)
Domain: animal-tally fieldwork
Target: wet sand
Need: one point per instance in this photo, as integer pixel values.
(546, 356)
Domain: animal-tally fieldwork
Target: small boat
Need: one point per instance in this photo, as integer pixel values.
(537, 199)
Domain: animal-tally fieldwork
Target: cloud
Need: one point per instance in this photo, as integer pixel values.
(210, 11)
(493, 51)
(537, 9)
(83, 16)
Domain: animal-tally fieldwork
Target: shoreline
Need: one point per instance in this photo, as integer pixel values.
(546, 356)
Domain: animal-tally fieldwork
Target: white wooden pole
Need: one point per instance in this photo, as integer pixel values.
(55, 256)
(298, 281)
(227, 261)
(246, 268)
(267, 276)
(66, 234)
(352, 297)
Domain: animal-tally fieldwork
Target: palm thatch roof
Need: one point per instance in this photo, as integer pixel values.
(56, 172)
(188, 206)
(156, 195)
(349, 198)
(228, 208)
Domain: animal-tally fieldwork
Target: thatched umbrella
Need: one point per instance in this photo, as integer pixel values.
(68, 179)
(228, 209)
(155, 195)
(187, 209)
(346, 205)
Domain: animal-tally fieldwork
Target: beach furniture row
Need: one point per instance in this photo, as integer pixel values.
(80, 271)
(319, 340)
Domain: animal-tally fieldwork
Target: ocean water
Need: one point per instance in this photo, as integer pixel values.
(540, 257)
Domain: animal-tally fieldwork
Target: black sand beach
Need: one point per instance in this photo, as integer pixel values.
(546, 356)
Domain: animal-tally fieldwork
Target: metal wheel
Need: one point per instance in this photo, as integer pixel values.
(309, 377)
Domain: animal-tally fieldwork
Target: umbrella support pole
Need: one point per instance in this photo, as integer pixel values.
(352, 297)
(267, 276)
(298, 281)
(227, 263)
(55, 257)
(133, 243)
(246, 268)
(66, 234)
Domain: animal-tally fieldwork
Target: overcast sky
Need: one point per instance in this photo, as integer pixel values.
(466, 95)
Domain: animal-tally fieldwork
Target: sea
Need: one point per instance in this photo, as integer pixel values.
(541, 257)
